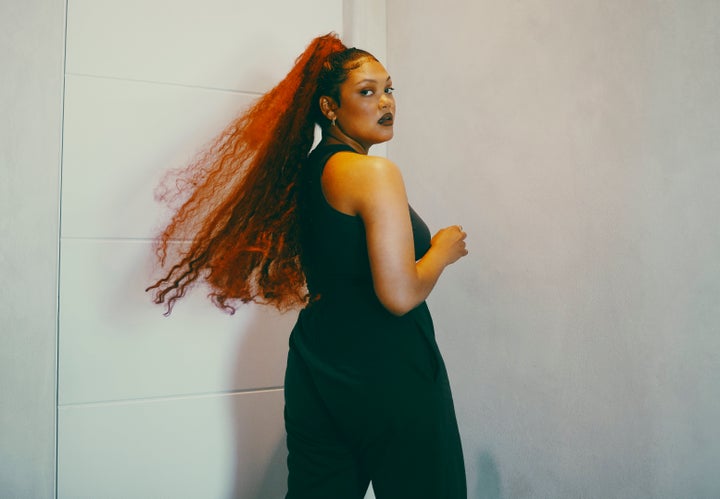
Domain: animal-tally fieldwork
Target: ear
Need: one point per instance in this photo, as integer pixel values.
(328, 106)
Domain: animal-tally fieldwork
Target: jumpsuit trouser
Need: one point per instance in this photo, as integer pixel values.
(374, 407)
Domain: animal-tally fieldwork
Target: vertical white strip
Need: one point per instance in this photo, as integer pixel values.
(365, 27)
(31, 37)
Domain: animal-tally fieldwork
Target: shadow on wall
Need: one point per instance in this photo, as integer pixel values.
(260, 450)
(274, 483)
(488, 478)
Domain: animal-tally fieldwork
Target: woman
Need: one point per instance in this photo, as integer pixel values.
(366, 391)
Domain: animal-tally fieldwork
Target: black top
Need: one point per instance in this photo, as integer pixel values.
(366, 392)
(333, 244)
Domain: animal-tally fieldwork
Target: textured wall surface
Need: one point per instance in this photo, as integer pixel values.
(577, 142)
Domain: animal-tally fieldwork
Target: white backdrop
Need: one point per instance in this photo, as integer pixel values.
(148, 406)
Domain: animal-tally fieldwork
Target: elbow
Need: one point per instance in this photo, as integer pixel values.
(397, 311)
(396, 305)
(398, 296)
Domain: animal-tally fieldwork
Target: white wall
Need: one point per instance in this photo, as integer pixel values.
(31, 48)
(191, 405)
(577, 142)
(146, 407)
(188, 406)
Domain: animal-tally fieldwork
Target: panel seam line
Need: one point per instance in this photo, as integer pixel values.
(168, 83)
(170, 398)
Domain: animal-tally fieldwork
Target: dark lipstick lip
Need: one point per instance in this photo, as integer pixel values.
(387, 117)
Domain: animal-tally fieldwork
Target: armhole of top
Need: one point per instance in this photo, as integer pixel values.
(325, 200)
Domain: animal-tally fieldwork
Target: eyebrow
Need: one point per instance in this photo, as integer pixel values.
(370, 80)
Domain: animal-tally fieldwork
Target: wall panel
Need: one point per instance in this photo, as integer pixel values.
(152, 406)
(222, 44)
(121, 137)
(31, 83)
(110, 328)
(213, 446)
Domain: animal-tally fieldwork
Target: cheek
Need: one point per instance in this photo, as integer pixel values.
(359, 112)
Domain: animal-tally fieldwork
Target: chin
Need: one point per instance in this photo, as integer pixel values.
(382, 141)
(386, 136)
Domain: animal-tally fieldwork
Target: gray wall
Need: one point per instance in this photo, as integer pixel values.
(32, 43)
(577, 142)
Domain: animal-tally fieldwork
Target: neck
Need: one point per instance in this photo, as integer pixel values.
(334, 135)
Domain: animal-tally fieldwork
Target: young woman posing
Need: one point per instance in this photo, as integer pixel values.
(367, 396)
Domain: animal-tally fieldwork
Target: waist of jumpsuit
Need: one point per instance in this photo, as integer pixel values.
(333, 288)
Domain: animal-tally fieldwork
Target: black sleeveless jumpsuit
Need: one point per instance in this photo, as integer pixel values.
(366, 392)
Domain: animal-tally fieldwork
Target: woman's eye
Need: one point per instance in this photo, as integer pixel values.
(389, 90)
(367, 92)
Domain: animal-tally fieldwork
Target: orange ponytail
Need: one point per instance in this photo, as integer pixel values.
(236, 226)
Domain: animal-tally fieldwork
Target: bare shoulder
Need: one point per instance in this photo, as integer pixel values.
(352, 167)
(352, 182)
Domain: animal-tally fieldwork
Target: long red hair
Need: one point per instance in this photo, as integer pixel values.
(235, 225)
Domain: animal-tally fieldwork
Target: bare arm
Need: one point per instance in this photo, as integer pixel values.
(373, 188)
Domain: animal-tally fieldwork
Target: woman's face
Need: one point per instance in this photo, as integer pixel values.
(366, 111)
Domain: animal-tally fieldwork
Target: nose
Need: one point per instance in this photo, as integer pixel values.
(386, 101)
